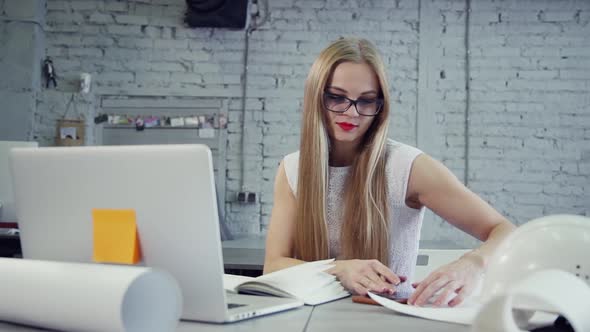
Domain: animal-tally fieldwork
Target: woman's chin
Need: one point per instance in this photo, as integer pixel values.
(345, 138)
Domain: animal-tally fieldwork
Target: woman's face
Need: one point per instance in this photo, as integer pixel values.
(355, 81)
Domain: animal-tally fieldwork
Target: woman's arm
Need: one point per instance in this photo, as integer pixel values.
(432, 185)
(281, 230)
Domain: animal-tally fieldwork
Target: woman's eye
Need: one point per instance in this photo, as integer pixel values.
(366, 101)
(336, 98)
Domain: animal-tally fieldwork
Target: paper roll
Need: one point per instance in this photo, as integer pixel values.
(88, 297)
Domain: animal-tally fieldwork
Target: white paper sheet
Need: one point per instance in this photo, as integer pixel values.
(567, 295)
(67, 132)
(231, 281)
(88, 297)
(463, 314)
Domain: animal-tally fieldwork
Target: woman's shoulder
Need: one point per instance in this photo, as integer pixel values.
(398, 150)
(291, 162)
(400, 158)
(291, 165)
(292, 157)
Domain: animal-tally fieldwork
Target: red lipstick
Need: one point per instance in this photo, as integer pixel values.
(346, 126)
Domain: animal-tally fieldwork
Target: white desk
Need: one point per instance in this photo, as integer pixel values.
(244, 254)
(248, 253)
(345, 315)
(341, 315)
(287, 321)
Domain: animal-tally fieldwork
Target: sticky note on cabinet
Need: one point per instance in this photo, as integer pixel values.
(115, 236)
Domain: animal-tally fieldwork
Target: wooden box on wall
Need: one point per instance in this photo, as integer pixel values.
(70, 132)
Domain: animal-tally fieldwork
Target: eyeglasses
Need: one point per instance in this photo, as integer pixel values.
(364, 106)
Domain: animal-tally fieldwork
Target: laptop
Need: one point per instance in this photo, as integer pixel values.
(7, 209)
(170, 187)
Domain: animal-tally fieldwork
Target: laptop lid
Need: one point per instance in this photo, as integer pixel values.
(171, 189)
(7, 210)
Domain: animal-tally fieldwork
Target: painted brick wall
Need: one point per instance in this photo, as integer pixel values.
(531, 106)
(530, 75)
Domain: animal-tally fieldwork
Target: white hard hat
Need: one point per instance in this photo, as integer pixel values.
(553, 242)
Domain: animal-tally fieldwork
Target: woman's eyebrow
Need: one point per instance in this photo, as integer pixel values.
(337, 88)
(370, 92)
(343, 90)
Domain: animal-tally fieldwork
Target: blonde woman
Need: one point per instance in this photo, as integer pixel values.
(353, 194)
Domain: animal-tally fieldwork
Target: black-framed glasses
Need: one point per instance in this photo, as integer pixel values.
(364, 106)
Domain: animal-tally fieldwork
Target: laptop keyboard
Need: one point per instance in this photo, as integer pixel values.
(235, 305)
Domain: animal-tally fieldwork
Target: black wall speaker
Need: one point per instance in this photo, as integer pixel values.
(230, 14)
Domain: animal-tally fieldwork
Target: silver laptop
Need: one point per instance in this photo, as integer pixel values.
(7, 209)
(170, 187)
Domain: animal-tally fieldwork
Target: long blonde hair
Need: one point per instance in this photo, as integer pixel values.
(365, 228)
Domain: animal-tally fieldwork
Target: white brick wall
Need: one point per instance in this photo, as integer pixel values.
(530, 75)
(538, 124)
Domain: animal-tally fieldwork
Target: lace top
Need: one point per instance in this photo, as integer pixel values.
(405, 222)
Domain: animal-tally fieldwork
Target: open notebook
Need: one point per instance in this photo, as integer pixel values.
(307, 282)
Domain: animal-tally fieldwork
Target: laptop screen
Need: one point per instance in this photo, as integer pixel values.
(170, 188)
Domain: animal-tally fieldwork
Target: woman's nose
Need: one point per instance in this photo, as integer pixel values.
(352, 112)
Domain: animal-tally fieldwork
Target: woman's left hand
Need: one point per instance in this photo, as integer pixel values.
(460, 276)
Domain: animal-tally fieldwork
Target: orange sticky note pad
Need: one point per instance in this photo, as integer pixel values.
(115, 236)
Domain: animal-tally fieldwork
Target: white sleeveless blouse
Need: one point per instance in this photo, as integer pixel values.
(405, 222)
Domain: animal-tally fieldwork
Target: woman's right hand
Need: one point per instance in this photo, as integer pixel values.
(361, 276)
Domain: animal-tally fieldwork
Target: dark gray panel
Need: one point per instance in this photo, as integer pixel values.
(16, 113)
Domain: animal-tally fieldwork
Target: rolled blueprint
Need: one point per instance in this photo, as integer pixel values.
(88, 297)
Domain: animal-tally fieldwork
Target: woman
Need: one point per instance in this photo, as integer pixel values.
(352, 194)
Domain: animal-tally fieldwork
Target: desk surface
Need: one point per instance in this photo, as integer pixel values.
(240, 254)
(244, 254)
(248, 253)
(342, 315)
(345, 315)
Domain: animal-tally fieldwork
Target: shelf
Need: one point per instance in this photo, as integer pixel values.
(155, 127)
